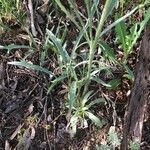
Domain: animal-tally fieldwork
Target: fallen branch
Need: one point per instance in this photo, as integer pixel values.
(140, 96)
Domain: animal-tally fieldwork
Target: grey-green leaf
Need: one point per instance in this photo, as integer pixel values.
(72, 95)
(113, 83)
(31, 66)
(98, 80)
(55, 82)
(121, 33)
(96, 101)
(108, 51)
(57, 42)
(94, 119)
(86, 97)
(12, 46)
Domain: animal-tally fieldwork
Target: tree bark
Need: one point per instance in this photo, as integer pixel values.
(140, 95)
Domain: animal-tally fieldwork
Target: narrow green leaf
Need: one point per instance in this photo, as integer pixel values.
(106, 68)
(119, 20)
(71, 17)
(59, 46)
(77, 42)
(129, 73)
(94, 119)
(31, 66)
(108, 51)
(134, 31)
(56, 82)
(96, 101)
(86, 97)
(113, 83)
(98, 80)
(72, 95)
(108, 7)
(112, 5)
(13, 46)
(79, 17)
(121, 33)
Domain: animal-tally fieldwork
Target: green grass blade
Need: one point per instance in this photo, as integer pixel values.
(98, 80)
(12, 46)
(118, 21)
(56, 82)
(77, 42)
(32, 39)
(59, 46)
(112, 5)
(93, 44)
(94, 119)
(86, 97)
(108, 52)
(31, 66)
(121, 33)
(67, 13)
(72, 95)
(109, 5)
(91, 9)
(129, 73)
(96, 101)
(79, 16)
(113, 83)
(106, 68)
